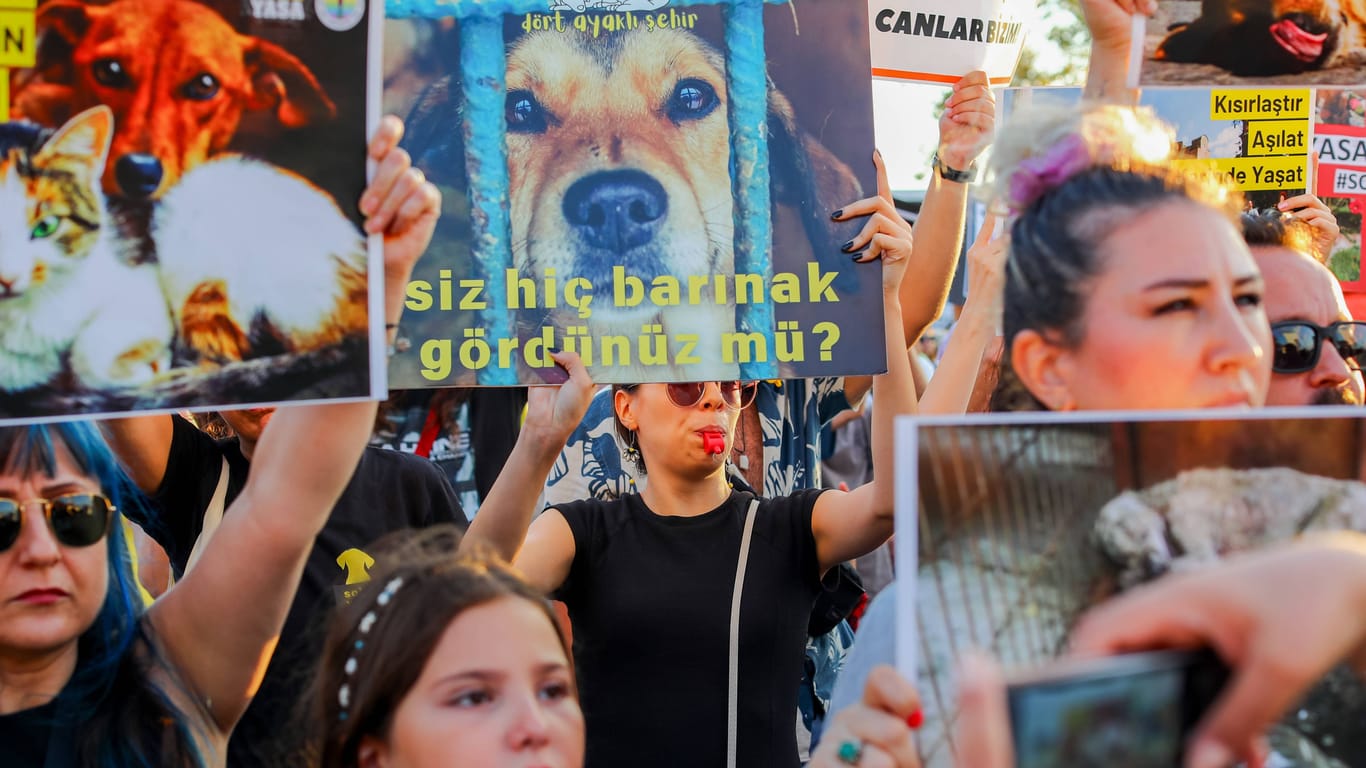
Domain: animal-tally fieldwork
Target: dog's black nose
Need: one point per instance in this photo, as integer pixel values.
(138, 175)
(616, 210)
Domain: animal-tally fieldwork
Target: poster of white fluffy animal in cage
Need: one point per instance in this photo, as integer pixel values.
(1019, 523)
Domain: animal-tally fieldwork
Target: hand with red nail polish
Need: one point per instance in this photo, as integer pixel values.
(884, 722)
(878, 725)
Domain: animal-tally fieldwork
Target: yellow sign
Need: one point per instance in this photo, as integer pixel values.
(1277, 137)
(1242, 104)
(18, 35)
(4, 94)
(1254, 174)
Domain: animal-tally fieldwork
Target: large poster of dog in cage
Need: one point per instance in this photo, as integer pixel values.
(622, 198)
(181, 185)
(1252, 42)
(1018, 525)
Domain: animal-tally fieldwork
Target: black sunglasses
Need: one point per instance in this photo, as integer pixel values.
(76, 519)
(1299, 342)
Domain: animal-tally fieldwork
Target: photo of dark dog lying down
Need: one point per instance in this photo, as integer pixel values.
(619, 157)
(1259, 38)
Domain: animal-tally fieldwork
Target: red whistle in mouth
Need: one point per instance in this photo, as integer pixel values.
(714, 443)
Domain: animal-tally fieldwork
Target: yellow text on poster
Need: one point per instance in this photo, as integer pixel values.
(18, 34)
(1255, 174)
(1277, 137)
(1243, 104)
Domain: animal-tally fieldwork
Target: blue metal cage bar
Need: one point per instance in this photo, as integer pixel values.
(484, 71)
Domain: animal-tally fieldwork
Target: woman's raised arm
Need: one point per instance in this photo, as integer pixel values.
(220, 624)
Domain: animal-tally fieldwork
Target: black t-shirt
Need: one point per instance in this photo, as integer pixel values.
(389, 491)
(474, 450)
(650, 601)
(28, 735)
(82, 727)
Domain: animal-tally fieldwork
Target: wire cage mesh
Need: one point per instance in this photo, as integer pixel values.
(1009, 551)
(1005, 563)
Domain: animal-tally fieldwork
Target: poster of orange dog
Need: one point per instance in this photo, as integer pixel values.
(620, 178)
(178, 186)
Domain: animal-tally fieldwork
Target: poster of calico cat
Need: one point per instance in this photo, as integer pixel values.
(178, 189)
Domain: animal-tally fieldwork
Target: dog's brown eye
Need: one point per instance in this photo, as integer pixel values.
(691, 100)
(110, 73)
(524, 114)
(201, 87)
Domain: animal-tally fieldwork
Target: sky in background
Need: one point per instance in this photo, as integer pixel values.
(1188, 111)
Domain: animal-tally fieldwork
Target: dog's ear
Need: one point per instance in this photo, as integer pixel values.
(281, 83)
(434, 134)
(68, 19)
(1186, 43)
(808, 176)
(61, 25)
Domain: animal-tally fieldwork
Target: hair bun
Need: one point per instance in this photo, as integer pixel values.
(1035, 176)
(1041, 148)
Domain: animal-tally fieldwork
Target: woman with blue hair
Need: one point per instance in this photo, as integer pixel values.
(87, 678)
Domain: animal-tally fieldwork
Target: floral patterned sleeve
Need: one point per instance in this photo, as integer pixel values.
(590, 466)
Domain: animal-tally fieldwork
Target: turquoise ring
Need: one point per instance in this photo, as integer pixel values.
(850, 752)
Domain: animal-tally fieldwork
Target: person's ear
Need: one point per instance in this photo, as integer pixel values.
(1044, 368)
(372, 753)
(624, 404)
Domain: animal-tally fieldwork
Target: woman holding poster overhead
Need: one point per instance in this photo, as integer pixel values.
(87, 677)
(690, 601)
(1128, 284)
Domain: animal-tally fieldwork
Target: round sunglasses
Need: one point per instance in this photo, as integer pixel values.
(736, 395)
(1299, 343)
(76, 519)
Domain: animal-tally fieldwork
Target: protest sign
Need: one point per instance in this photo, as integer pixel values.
(182, 183)
(939, 41)
(623, 190)
(1233, 42)
(1024, 522)
(1258, 139)
(18, 42)
(1340, 143)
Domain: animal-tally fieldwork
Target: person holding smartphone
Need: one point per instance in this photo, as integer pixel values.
(1250, 610)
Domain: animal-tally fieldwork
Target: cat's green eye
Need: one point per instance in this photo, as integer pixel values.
(44, 228)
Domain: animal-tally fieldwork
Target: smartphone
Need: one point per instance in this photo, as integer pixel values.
(1134, 710)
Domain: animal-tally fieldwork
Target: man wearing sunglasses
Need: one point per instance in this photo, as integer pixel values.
(1318, 348)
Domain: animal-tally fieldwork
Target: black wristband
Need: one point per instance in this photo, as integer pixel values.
(952, 174)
